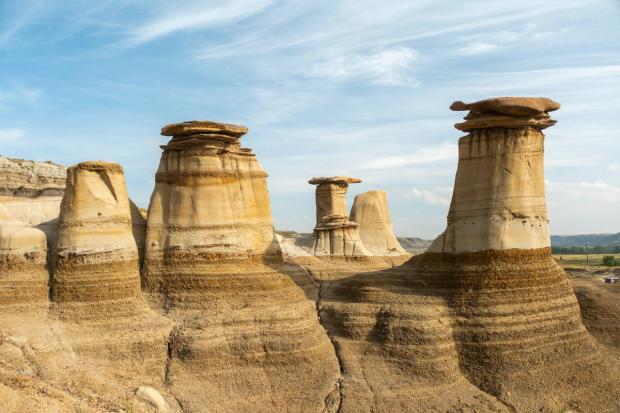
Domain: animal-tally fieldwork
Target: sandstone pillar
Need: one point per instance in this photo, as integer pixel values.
(334, 234)
(95, 260)
(370, 211)
(212, 261)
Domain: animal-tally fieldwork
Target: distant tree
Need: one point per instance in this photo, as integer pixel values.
(609, 261)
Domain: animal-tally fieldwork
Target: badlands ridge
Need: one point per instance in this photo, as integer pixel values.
(202, 307)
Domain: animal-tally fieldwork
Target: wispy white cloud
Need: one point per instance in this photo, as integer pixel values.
(477, 48)
(391, 67)
(18, 20)
(437, 196)
(7, 135)
(18, 95)
(425, 155)
(590, 193)
(194, 16)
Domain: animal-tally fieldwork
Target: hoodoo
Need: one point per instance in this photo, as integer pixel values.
(213, 262)
(518, 326)
(370, 211)
(486, 314)
(23, 278)
(95, 262)
(334, 234)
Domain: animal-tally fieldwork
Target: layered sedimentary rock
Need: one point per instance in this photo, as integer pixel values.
(370, 211)
(95, 270)
(248, 338)
(23, 277)
(23, 178)
(334, 234)
(486, 318)
(32, 192)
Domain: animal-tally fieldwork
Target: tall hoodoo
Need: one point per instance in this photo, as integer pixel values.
(210, 200)
(23, 278)
(334, 234)
(95, 260)
(499, 192)
(486, 313)
(370, 211)
(212, 260)
(518, 330)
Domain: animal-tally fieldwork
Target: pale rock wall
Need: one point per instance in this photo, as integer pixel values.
(370, 211)
(30, 179)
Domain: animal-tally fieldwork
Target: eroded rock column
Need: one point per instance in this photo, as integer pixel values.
(95, 262)
(518, 327)
(212, 261)
(334, 234)
(370, 211)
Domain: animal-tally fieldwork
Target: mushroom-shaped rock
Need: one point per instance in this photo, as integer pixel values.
(213, 262)
(334, 235)
(23, 278)
(370, 211)
(506, 112)
(485, 318)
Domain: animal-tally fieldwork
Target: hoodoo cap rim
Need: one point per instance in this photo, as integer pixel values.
(509, 105)
(203, 127)
(334, 180)
(98, 166)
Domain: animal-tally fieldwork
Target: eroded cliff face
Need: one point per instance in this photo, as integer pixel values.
(248, 338)
(32, 192)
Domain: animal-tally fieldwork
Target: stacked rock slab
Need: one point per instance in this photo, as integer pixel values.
(334, 234)
(23, 277)
(248, 338)
(95, 263)
(370, 211)
(485, 318)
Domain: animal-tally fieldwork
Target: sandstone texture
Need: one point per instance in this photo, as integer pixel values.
(247, 338)
(334, 234)
(498, 201)
(370, 212)
(32, 192)
(31, 179)
(228, 316)
(23, 278)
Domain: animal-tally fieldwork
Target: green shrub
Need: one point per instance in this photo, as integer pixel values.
(609, 261)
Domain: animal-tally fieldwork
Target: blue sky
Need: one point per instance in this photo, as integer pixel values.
(327, 87)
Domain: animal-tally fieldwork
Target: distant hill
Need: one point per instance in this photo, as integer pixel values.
(580, 240)
(414, 245)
